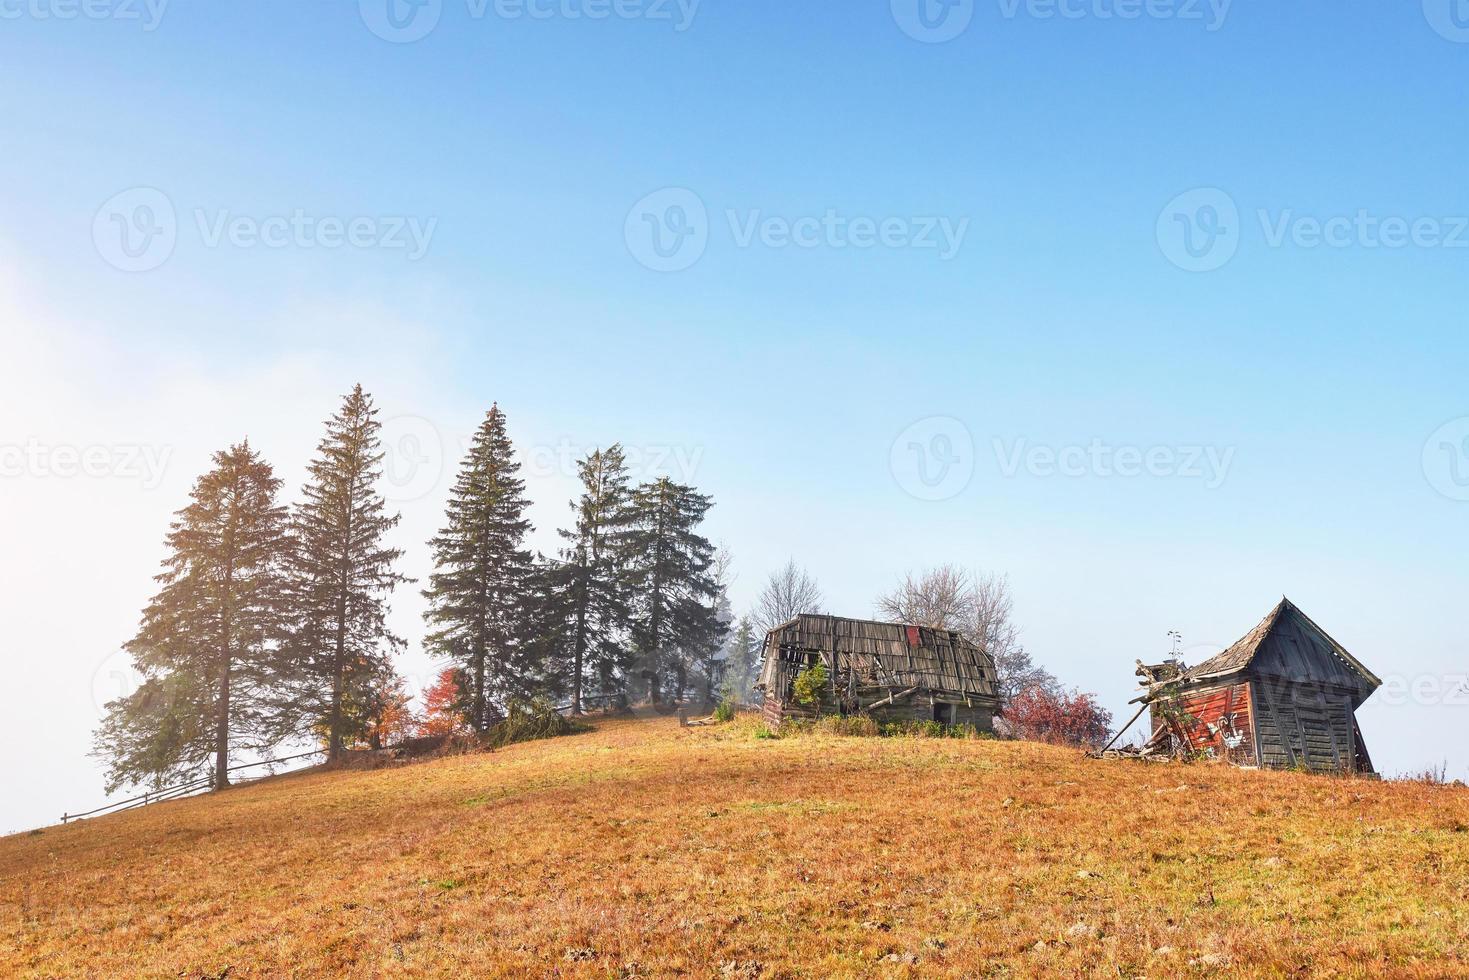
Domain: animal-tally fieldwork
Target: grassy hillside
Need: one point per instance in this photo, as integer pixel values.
(641, 849)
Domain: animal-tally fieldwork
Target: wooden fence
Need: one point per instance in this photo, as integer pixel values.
(190, 788)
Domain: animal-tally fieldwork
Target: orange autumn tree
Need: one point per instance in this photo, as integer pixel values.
(444, 707)
(389, 718)
(376, 713)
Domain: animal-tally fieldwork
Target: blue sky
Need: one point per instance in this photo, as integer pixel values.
(1069, 149)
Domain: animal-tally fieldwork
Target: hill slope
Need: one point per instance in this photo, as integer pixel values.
(644, 849)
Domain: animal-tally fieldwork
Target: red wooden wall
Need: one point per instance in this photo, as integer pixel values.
(1222, 723)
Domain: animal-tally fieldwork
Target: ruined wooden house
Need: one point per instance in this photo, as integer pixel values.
(889, 671)
(1284, 697)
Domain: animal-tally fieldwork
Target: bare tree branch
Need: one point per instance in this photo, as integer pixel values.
(940, 598)
(977, 605)
(789, 592)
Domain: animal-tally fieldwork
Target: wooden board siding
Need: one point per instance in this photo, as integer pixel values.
(1305, 726)
(920, 710)
(1220, 723)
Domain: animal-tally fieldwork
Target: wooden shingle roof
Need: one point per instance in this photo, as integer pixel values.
(895, 654)
(1288, 644)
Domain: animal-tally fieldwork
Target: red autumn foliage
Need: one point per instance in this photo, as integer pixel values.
(390, 717)
(443, 705)
(1043, 715)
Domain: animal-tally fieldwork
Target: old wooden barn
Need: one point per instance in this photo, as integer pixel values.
(1285, 696)
(890, 671)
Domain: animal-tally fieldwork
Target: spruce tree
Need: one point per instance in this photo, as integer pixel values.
(342, 574)
(592, 574)
(669, 565)
(480, 590)
(744, 654)
(209, 642)
(711, 662)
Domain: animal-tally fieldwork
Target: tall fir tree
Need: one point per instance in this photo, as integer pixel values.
(546, 632)
(711, 662)
(744, 654)
(343, 574)
(674, 594)
(592, 574)
(481, 589)
(209, 642)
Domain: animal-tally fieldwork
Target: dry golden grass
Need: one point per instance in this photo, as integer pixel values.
(644, 849)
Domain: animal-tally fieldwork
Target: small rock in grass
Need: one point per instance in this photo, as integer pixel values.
(1081, 931)
(907, 958)
(740, 968)
(580, 954)
(1217, 961)
(1163, 951)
